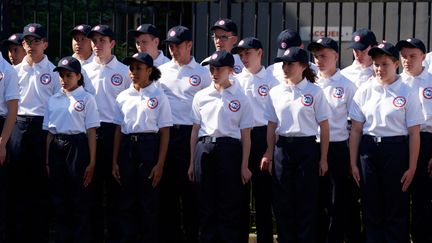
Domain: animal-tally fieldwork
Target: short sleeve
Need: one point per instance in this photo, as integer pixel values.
(165, 115)
(355, 112)
(92, 114)
(321, 106)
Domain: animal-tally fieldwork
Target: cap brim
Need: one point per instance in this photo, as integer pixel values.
(358, 46)
(403, 43)
(173, 40)
(91, 33)
(8, 42)
(215, 64)
(136, 33)
(74, 31)
(284, 59)
(56, 69)
(34, 35)
(376, 51)
(237, 49)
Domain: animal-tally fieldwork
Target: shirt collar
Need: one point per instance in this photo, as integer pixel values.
(159, 57)
(301, 85)
(75, 92)
(424, 75)
(336, 76)
(231, 89)
(192, 64)
(42, 63)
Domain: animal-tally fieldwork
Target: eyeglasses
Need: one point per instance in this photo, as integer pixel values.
(36, 41)
(222, 37)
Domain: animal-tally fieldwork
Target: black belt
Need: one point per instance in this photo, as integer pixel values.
(209, 139)
(107, 125)
(391, 139)
(70, 137)
(426, 135)
(297, 139)
(28, 119)
(180, 127)
(140, 137)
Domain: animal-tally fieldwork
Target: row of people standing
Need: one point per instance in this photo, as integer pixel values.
(224, 119)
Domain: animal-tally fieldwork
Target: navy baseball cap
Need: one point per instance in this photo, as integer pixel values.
(178, 34)
(247, 43)
(363, 38)
(145, 29)
(324, 42)
(102, 29)
(140, 57)
(35, 30)
(68, 63)
(82, 28)
(294, 54)
(412, 43)
(286, 39)
(384, 48)
(220, 59)
(15, 39)
(225, 24)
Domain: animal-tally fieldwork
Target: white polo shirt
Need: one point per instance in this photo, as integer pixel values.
(84, 62)
(423, 85)
(8, 85)
(88, 85)
(427, 61)
(222, 114)
(276, 71)
(143, 111)
(386, 110)
(108, 81)
(37, 83)
(357, 74)
(339, 92)
(238, 64)
(297, 109)
(256, 87)
(160, 59)
(71, 113)
(180, 84)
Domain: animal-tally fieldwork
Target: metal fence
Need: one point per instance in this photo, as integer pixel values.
(390, 20)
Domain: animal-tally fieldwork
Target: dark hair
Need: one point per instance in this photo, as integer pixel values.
(81, 80)
(309, 74)
(155, 74)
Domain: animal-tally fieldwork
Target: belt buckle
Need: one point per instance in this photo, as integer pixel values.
(377, 139)
(209, 139)
(134, 138)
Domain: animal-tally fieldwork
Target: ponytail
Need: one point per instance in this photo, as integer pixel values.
(309, 74)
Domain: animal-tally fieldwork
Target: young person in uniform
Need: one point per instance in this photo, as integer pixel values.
(286, 39)
(296, 108)
(384, 145)
(140, 145)
(181, 79)
(147, 40)
(16, 52)
(109, 77)
(81, 44)
(220, 145)
(361, 69)
(224, 38)
(256, 84)
(71, 119)
(412, 54)
(334, 187)
(29, 181)
(9, 91)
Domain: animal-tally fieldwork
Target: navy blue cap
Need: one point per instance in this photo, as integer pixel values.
(35, 30)
(225, 24)
(140, 57)
(82, 28)
(68, 63)
(247, 43)
(324, 42)
(286, 39)
(178, 34)
(384, 48)
(363, 38)
(412, 43)
(145, 29)
(102, 29)
(15, 39)
(220, 59)
(294, 54)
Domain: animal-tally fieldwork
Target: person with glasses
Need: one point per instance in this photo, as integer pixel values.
(29, 179)
(224, 35)
(16, 52)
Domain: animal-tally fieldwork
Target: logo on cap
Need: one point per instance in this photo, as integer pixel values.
(338, 92)
(381, 45)
(307, 100)
(64, 62)
(409, 40)
(194, 80)
(1, 76)
(139, 27)
(241, 43)
(319, 41)
(237, 69)
(263, 90)
(32, 29)
(214, 56)
(116, 79)
(427, 93)
(152, 103)
(135, 55)
(45, 78)
(97, 27)
(286, 52)
(221, 22)
(234, 105)
(79, 105)
(13, 37)
(357, 38)
(80, 27)
(399, 101)
(283, 45)
(172, 33)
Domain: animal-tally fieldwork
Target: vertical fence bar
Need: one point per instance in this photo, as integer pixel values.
(255, 29)
(370, 15)
(61, 30)
(340, 31)
(74, 13)
(429, 25)
(312, 21)
(48, 18)
(127, 27)
(399, 20)
(355, 16)
(241, 18)
(100, 12)
(384, 19)
(35, 11)
(87, 13)
(194, 11)
(297, 16)
(269, 31)
(326, 19)
(414, 19)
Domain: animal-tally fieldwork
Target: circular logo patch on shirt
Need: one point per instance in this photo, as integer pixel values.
(307, 100)
(1, 76)
(116, 79)
(194, 80)
(427, 93)
(234, 105)
(263, 89)
(399, 101)
(338, 92)
(152, 103)
(79, 105)
(237, 69)
(45, 78)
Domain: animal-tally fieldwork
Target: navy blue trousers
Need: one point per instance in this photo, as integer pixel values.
(3, 195)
